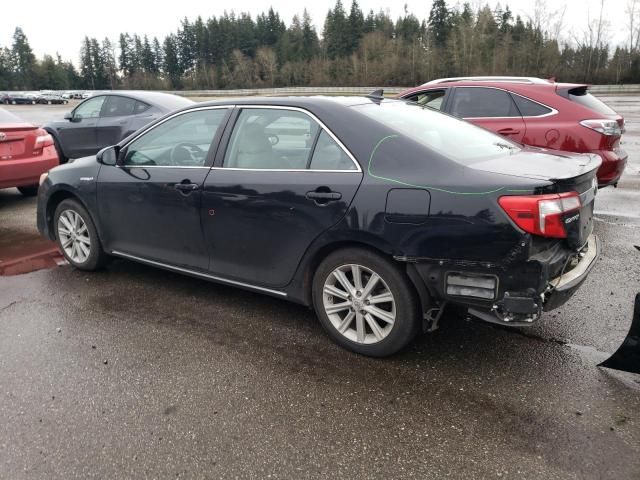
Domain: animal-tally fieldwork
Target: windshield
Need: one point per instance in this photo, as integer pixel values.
(455, 139)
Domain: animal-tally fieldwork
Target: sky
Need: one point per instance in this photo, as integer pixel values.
(61, 29)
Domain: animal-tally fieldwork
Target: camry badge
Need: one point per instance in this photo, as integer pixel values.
(3, 136)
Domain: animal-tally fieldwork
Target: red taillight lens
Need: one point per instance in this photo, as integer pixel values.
(609, 128)
(541, 214)
(42, 140)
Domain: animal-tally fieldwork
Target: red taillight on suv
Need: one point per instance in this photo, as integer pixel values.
(541, 214)
(609, 128)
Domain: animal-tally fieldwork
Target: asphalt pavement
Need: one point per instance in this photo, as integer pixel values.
(134, 372)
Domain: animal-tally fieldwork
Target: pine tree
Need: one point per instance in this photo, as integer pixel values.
(23, 60)
(356, 26)
(439, 22)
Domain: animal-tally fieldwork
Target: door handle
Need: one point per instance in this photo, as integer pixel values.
(508, 131)
(186, 186)
(322, 195)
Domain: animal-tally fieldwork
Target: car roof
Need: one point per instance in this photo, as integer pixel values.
(305, 102)
(159, 99)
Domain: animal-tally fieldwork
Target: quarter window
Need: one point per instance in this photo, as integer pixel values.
(432, 99)
(482, 102)
(90, 108)
(183, 140)
(529, 108)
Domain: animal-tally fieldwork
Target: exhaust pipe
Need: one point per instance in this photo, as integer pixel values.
(627, 357)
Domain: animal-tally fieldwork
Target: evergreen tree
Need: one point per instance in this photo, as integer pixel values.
(439, 22)
(22, 59)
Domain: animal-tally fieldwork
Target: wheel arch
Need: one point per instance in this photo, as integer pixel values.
(300, 289)
(55, 199)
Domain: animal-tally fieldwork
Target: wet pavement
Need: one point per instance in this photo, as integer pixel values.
(140, 373)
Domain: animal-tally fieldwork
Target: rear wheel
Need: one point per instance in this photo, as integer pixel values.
(365, 302)
(30, 191)
(77, 236)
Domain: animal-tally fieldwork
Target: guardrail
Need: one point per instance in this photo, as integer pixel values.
(243, 92)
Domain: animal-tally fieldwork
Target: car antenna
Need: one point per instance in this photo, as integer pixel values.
(376, 95)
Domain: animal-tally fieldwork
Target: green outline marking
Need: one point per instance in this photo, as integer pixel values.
(373, 152)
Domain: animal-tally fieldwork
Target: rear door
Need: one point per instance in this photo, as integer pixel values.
(488, 107)
(282, 181)
(150, 205)
(114, 119)
(79, 137)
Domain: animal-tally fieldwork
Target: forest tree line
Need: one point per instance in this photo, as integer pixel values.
(238, 51)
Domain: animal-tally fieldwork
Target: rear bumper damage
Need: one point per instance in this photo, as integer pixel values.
(515, 294)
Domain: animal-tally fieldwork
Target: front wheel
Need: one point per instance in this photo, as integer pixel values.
(365, 302)
(77, 236)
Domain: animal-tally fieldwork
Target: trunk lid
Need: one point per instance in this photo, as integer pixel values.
(541, 164)
(17, 140)
(567, 172)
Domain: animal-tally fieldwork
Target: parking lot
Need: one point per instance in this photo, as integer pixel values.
(135, 372)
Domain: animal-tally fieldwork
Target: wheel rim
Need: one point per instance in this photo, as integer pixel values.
(74, 236)
(359, 304)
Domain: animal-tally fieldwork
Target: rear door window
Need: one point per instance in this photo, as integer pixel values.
(117, 106)
(480, 102)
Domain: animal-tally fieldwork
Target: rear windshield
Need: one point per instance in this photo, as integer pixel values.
(453, 138)
(8, 117)
(584, 98)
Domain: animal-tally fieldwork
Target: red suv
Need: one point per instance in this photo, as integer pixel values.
(26, 152)
(533, 111)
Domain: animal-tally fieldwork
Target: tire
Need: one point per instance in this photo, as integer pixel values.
(61, 158)
(84, 253)
(371, 334)
(30, 191)
(33, 102)
(48, 102)
(13, 102)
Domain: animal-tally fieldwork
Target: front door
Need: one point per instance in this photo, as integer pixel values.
(150, 205)
(79, 136)
(282, 181)
(491, 108)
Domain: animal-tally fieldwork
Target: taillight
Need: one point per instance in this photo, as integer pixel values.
(42, 140)
(605, 127)
(541, 214)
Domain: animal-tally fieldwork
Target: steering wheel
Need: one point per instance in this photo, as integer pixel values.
(183, 154)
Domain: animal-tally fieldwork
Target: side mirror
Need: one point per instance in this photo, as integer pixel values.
(68, 116)
(108, 155)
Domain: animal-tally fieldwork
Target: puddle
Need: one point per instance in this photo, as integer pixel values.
(27, 252)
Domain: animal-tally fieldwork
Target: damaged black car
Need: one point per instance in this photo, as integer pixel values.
(376, 213)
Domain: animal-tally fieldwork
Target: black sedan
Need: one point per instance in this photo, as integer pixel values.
(50, 99)
(20, 99)
(106, 118)
(378, 213)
